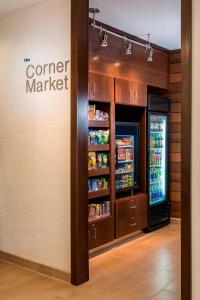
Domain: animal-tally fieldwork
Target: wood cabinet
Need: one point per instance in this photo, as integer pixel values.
(131, 214)
(101, 88)
(101, 232)
(123, 91)
(130, 92)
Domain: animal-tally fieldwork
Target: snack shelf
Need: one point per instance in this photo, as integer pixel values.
(99, 124)
(98, 194)
(98, 172)
(99, 147)
(125, 161)
(125, 172)
(124, 146)
(100, 219)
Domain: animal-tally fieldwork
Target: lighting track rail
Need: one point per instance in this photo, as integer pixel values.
(103, 36)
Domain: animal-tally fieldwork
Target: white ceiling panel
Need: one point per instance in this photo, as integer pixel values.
(160, 18)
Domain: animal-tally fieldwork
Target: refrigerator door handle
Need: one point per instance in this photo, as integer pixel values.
(116, 157)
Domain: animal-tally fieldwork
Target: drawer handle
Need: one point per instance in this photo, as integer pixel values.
(132, 205)
(95, 232)
(133, 224)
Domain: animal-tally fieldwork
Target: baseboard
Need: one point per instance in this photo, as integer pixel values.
(115, 243)
(37, 267)
(176, 221)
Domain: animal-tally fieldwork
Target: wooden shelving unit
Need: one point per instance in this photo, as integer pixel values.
(101, 230)
(129, 213)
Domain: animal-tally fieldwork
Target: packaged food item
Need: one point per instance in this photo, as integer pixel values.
(105, 136)
(91, 112)
(99, 160)
(97, 184)
(98, 211)
(106, 116)
(121, 154)
(92, 164)
(99, 135)
(92, 137)
(104, 160)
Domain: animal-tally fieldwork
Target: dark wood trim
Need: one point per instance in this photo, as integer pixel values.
(186, 277)
(79, 142)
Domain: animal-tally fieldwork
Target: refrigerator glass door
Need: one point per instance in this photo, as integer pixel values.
(157, 159)
(124, 162)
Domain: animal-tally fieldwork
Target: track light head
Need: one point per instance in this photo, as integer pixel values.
(103, 37)
(149, 51)
(94, 12)
(127, 46)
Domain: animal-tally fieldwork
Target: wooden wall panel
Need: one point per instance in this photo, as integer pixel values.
(174, 93)
(112, 61)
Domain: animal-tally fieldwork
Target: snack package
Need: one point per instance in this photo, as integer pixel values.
(98, 115)
(99, 137)
(92, 137)
(99, 160)
(105, 136)
(94, 185)
(91, 112)
(106, 116)
(92, 160)
(104, 160)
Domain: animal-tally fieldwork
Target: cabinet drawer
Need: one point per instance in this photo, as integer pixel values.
(131, 215)
(101, 232)
(101, 88)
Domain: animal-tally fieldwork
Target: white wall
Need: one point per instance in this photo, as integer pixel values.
(196, 153)
(35, 138)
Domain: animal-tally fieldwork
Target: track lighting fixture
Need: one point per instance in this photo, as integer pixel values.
(127, 46)
(94, 11)
(103, 37)
(149, 50)
(128, 43)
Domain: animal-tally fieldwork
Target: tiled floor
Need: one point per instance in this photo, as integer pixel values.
(143, 269)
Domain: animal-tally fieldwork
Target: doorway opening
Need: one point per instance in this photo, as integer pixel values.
(135, 128)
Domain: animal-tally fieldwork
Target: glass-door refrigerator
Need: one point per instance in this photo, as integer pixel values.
(126, 171)
(158, 162)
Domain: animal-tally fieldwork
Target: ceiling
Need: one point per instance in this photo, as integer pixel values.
(160, 18)
(7, 6)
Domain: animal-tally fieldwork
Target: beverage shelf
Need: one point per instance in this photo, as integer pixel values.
(100, 147)
(156, 182)
(99, 124)
(156, 149)
(156, 166)
(98, 194)
(98, 172)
